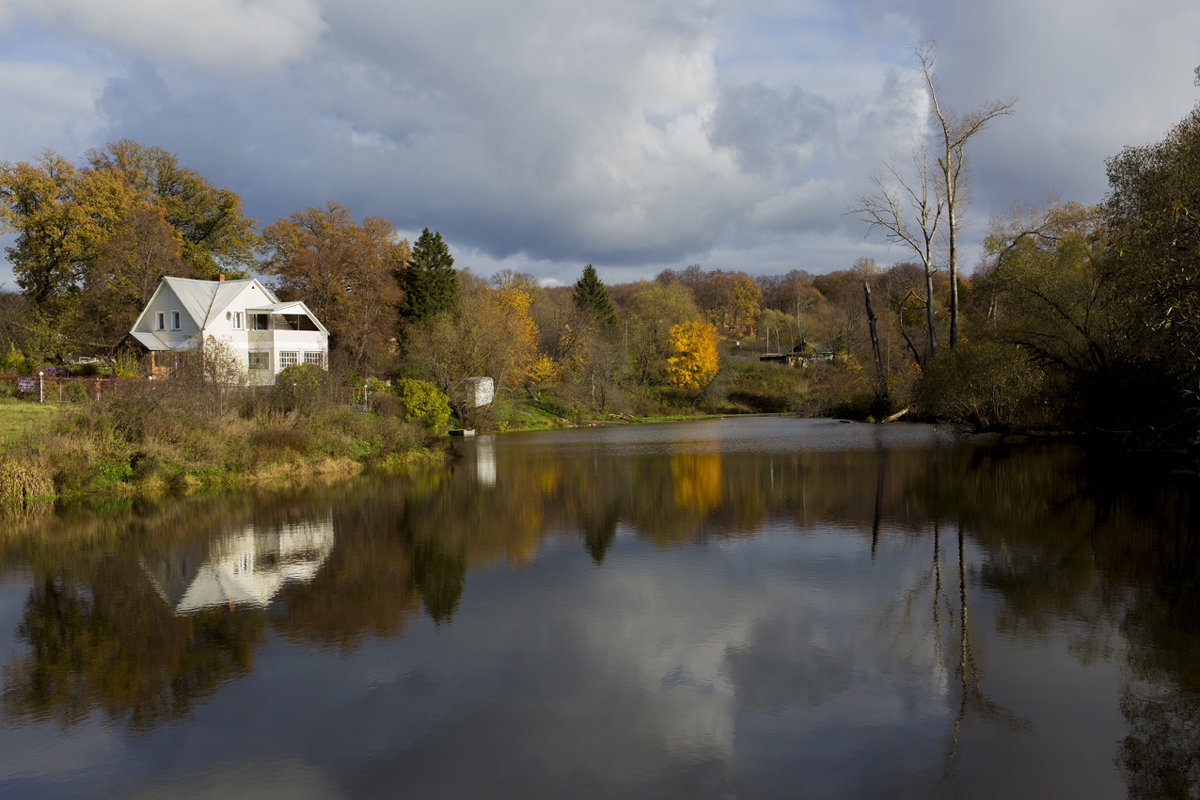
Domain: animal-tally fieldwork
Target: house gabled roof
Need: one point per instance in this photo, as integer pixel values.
(205, 301)
(150, 340)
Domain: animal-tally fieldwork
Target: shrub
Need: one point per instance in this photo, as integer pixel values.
(986, 385)
(302, 387)
(424, 403)
(280, 437)
(15, 362)
(75, 392)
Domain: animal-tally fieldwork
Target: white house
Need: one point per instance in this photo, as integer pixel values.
(266, 335)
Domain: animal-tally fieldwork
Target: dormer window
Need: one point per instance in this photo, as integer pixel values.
(160, 321)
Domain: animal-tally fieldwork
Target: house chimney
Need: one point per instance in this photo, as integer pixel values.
(221, 277)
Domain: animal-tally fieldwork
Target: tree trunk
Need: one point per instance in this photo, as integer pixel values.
(931, 331)
(883, 391)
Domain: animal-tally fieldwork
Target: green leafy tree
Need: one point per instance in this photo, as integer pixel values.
(424, 403)
(650, 313)
(592, 297)
(429, 282)
(1154, 208)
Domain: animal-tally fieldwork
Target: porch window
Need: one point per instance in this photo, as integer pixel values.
(260, 322)
(258, 359)
(288, 358)
(315, 357)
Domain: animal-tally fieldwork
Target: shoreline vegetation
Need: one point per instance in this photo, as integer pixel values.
(197, 433)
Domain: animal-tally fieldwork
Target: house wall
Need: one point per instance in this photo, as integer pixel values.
(165, 302)
(277, 342)
(221, 326)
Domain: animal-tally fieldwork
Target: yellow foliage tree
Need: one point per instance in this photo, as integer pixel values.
(695, 359)
(519, 329)
(545, 370)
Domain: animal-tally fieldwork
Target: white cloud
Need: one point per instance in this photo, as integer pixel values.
(227, 36)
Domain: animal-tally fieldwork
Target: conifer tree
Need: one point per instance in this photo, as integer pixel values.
(429, 282)
(592, 297)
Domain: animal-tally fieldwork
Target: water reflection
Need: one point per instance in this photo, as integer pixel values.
(244, 568)
(736, 608)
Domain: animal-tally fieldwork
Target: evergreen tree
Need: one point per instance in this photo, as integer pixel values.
(429, 282)
(591, 296)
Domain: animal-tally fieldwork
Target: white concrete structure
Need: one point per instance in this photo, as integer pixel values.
(266, 335)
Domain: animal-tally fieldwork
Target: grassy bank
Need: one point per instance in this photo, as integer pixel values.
(742, 386)
(150, 441)
(20, 420)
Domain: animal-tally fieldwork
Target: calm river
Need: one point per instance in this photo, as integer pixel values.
(745, 608)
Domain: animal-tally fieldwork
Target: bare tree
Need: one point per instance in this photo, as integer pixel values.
(909, 211)
(955, 131)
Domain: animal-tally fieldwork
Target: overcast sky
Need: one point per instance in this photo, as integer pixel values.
(540, 135)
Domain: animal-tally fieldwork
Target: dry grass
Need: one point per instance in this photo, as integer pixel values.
(23, 479)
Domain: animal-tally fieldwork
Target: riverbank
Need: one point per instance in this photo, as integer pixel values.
(149, 444)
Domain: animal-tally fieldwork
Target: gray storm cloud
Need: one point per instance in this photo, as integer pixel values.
(540, 135)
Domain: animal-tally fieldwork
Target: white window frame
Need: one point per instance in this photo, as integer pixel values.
(237, 320)
(160, 321)
(176, 321)
(288, 358)
(315, 357)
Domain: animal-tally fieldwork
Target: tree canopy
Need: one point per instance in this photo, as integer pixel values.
(61, 215)
(344, 271)
(216, 236)
(124, 219)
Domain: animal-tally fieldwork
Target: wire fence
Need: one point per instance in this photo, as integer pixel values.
(61, 388)
(53, 388)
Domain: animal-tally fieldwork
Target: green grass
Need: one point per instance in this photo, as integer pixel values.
(525, 414)
(21, 419)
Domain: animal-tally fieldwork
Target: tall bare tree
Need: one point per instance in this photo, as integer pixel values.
(909, 211)
(955, 131)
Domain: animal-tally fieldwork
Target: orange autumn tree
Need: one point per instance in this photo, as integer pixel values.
(695, 348)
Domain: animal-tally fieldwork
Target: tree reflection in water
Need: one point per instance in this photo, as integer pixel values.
(1043, 531)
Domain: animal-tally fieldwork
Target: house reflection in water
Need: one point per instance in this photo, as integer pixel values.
(485, 461)
(244, 568)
